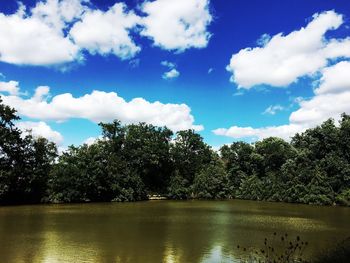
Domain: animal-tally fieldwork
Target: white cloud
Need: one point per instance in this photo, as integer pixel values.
(273, 109)
(335, 79)
(36, 39)
(177, 25)
(40, 129)
(283, 131)
(56, 32)
(11, 87)
(331, 99)
(107, 32)
(102, 106)
(263, 40)
(197, 127)
(168, 64)
(57, 14)
(236, 132)
(41, 93)
(283, 59)
(91, 140)
(338, 48)
(321, 107)
(171, 74)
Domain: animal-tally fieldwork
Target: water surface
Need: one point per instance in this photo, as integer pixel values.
(161, 231)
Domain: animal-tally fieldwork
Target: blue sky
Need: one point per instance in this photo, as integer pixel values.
(280, 84)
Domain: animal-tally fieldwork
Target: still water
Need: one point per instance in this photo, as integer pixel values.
(161, 231)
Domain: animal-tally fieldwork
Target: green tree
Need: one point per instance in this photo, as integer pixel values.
(179, 187)
(239, 160)
(212, 182)
(275, 152)
(251, 188)
(319, 190)
(147, 150)
(190, 153)
(25, 162)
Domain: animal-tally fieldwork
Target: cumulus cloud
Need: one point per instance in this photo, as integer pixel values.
(40, 129)
(321, 107)
(273, 109)
(335, 79)
(177, 25)
(90, 140)
(171, 74)
(282, 59)
(10, 87)
(107, 32)
(35, 39)
(168, 64)
(57, 14)
(102, 106)
(60, 31)
(283, 131)
(331, 99)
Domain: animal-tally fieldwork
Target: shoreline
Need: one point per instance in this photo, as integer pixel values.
(164, 198)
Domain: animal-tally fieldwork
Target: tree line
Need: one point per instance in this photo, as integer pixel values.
(130, 162)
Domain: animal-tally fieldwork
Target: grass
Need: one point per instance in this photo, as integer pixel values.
(286, 249)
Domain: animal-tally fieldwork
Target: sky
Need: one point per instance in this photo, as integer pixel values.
(231, 70)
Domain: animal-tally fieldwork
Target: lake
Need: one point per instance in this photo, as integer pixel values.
(161, 231)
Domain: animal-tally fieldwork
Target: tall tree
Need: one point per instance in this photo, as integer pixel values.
(25, 162)
(190, 154)
(147, 151)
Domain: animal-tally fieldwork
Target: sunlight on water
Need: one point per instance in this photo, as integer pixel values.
(216, 255)
(170, 256)
(163, 231)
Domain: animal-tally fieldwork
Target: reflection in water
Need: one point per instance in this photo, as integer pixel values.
(160, 231)
(171, 255)
(217, 255)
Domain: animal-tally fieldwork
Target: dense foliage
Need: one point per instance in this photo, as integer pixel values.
(130, 162)
(25, 162)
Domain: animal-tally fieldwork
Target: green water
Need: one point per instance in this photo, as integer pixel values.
(161, 231)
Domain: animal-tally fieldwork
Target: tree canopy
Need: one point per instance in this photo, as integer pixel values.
(130, 162)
